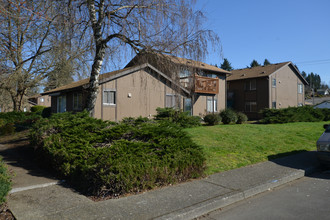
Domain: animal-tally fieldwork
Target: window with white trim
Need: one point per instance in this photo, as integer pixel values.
(211, 104)
(273, 82)
(250, 106)
(77, 101)
(109, 97)
(170, 101)
(300, 88)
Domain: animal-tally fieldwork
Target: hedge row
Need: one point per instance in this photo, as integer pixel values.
(16, 121)
(295, 114)
(226, 116)
(105, 159)
(182, 119)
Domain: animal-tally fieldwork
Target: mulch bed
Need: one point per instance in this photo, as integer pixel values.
(5, 213)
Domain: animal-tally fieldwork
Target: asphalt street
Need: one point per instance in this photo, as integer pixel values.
(306, 198)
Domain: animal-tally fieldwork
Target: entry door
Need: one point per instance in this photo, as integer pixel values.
(61, 103)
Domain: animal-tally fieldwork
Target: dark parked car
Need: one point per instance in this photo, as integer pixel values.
(323, 147)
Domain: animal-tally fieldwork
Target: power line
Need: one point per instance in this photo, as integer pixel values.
(314, 61)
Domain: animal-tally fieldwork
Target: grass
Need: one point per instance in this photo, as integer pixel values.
(231, 146)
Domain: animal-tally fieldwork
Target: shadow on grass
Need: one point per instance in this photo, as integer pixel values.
(276, 156)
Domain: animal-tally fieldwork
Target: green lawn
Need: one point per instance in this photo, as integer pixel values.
(232, 146)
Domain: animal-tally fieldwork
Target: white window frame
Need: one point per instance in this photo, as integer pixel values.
(300, 88)
(212, 104)
(173, 101)
(274, 82)
(113, 103)
(77, 101)
(42, 99)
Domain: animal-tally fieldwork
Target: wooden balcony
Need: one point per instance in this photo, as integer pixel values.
(206, 85)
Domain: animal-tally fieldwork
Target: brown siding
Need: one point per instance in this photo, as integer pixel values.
(137, 94)
(241, 96)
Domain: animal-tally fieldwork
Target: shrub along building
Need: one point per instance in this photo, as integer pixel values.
(273, 86)
(148, 82)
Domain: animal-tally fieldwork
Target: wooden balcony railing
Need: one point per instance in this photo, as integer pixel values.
(206, 85)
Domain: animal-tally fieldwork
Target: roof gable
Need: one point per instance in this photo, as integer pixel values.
(255, 72)
(263, 71)
(106, 77)
(176, 60)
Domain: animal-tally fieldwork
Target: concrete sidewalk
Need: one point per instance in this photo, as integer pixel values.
(43, 198)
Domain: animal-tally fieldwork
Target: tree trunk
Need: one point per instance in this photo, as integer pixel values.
(94, 79)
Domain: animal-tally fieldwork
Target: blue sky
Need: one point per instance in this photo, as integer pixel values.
(279, 30)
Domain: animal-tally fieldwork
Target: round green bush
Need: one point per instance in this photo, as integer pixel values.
(212, 119)
(241, 118)
(228, 116)
(37, 108)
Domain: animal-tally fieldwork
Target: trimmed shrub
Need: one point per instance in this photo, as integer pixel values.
(107, 159)
(212, 119)
(183, 119)
(37, 108)
(5, 182)
(293, 114)
(241, 118)
(16, 121)
(46, 112)
(228, 116)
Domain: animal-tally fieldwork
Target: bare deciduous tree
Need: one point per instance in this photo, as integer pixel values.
(32, 33)
(145, 26)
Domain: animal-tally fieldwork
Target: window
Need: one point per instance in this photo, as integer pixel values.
(170, 101)
(211, 104)
(184, 73)
(42, 99)
(187, 106)
(300, 88)
(274, 105)
(251, 85)
(61, 103)
(273, 82)
(109, 97)
(250, 106)
(77, 101)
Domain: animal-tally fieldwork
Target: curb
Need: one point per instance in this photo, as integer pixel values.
(219, 202)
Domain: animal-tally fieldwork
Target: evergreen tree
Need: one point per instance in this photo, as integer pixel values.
(254, 63)
(314, 80)
(266, 62)
(226, 65)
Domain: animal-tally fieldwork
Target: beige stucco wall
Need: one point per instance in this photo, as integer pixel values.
(46, 100)
(200, 104)
(285, 94)
(137, 94)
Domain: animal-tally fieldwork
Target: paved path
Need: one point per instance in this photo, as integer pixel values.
(36, 195)
(303, 199)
